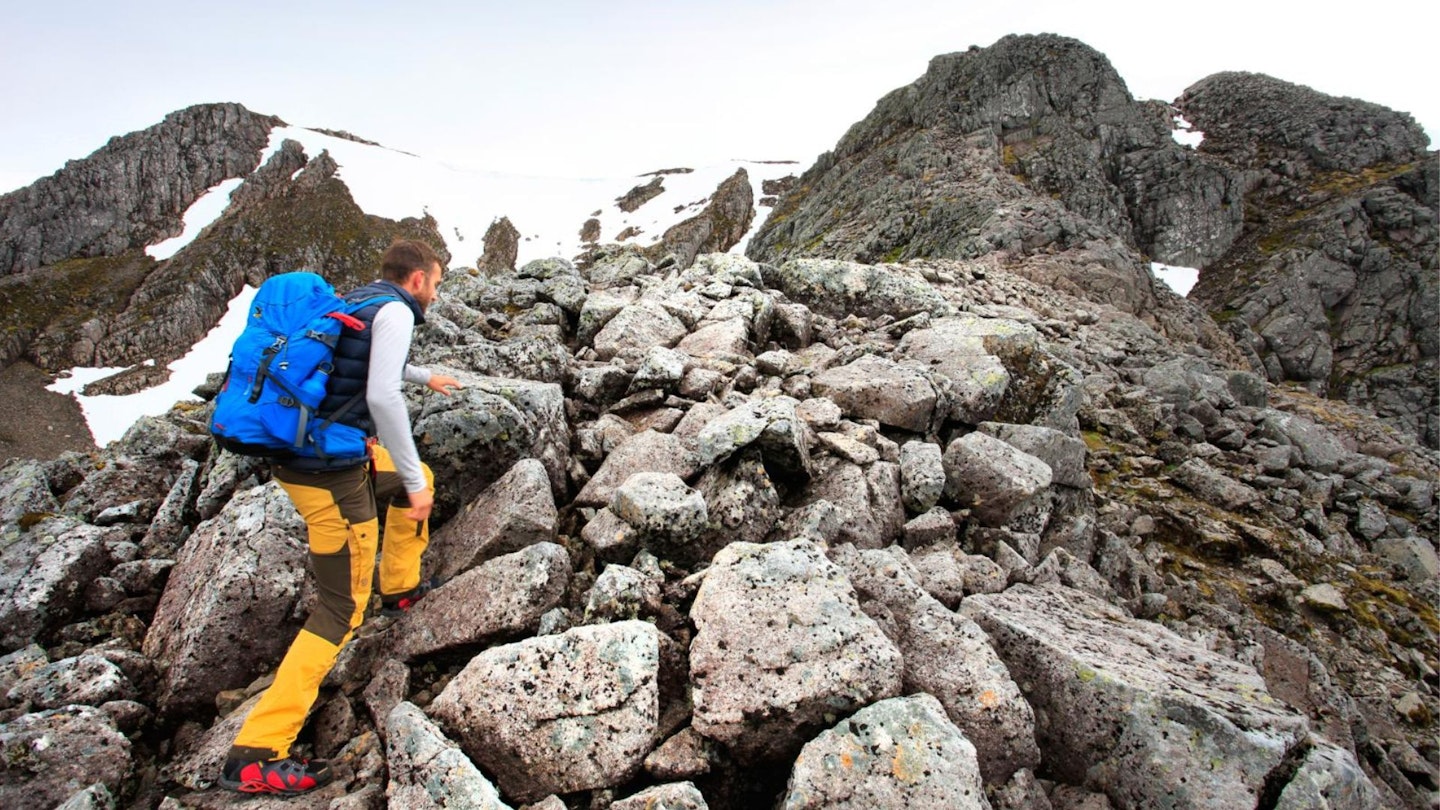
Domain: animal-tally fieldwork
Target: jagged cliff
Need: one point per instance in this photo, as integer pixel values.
(131, 192)
(1313, 219)
(1334, 280)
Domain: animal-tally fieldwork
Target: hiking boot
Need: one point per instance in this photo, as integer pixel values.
(284, 776)
(396, 604)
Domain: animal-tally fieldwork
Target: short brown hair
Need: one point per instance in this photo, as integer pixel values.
(405, 256)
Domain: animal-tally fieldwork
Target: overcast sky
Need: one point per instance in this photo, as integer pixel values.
(617, 87)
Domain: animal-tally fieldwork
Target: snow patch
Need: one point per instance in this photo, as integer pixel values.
(110, 416)
(197, 218)
(1185, 133)
(1179, 279)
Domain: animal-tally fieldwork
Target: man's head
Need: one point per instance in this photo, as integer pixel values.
(415, 267)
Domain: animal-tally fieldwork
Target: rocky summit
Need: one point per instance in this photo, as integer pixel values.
(936, 499)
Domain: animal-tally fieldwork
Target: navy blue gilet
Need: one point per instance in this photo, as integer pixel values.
(352, 369)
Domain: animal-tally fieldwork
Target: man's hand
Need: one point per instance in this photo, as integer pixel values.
(420, 505)
(443, 384)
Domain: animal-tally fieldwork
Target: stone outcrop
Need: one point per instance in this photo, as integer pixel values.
(132, 191)
(716, 229)
(502, 245)
(1334, 280)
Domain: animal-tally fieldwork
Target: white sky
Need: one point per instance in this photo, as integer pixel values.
(583, 88)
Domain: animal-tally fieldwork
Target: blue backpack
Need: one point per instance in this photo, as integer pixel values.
(279, 369)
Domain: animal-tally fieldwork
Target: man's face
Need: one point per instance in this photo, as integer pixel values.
(427, 286)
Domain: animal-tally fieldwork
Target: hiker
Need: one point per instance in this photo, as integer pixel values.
(338, 500)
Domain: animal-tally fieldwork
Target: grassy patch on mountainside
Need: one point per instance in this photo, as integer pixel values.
(64, 296)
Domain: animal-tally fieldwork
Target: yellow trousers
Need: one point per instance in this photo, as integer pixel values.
(340, 512)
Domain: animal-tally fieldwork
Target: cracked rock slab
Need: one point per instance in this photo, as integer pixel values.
(427, 770)
(1129, 707)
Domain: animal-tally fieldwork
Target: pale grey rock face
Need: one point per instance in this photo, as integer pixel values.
(600, 306)
(582, 713)
(638, 326)
(49, 756)
(661, 508)
(876, 388)
(772, 424)
(473, 437)
(242, 570)
(727, 339)
(782, 649)
(1129, 705)
(676, 796)
(971, 379)
(86, 679)
(427, 770)
(662, 368)
(24, 490)
(503, 597)
(517, 510)
(1212, 486)
(1064, 455)
(922, 475)
(948, 656)
(1318, 447)
(621, 593)
(646, 451)
(998, 481)
(1329, 777)
(43, 575)
(895, 754)
(741, 501)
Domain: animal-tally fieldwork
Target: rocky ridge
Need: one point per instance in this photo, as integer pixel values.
(1313, 219)
(694, 533)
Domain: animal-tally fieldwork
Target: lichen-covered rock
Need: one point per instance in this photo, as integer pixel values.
(621, 593)
(896, 754)
(503, 597)
(772, 424)
(638, 326)
(86, 679)
(557, 714)
(427, 770)
(44, 571)
(868, 499)
(839, 288)
(95, 797)
(1129, 707)
(646, 451)
(517, 510)
(47, 757)
(474, 436)
(24, 490)
(922, 475)
(880, 389)
(741, 501)
(998, 481)
(961, 355)
(948, 656)
(660, 506)
(782, 649)
(1064, 455)
(241, 571)
(1329, 777)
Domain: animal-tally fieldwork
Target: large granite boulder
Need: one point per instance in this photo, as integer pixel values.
(503, 597)
(1130, 708)
(876, 388)
(558, 714)
(44, 571)
(948, 657)
(997, 480)
(782, 647)
(228, 612)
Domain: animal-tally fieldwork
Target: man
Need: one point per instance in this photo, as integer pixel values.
(338, 500)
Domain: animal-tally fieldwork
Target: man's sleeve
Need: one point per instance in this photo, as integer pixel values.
(394, 327)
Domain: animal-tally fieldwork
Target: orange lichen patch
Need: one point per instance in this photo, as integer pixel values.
(988, 698)
(904, 765)
(846, 761)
